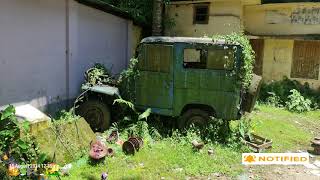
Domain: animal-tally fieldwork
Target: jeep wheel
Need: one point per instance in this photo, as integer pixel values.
(196, 117)
(96, 113)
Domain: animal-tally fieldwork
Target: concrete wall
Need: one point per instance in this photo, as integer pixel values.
(33, 44)
(224, 18)
(96, 36)
(277, 61)
(32, 51)
(253, 18)
(282, 19)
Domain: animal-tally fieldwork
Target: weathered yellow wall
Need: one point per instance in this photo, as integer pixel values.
(136, 38)
(269, 19)
(277, 58)
(282, 19)
(224, 18)
(277, 61)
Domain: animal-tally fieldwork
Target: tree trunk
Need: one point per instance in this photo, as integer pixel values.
(157, 18)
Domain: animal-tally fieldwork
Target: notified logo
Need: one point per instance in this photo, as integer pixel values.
(275, 158)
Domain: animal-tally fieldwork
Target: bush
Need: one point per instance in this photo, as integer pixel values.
(15, 140)
(277, 93)
(96, 75)
(217, 131)
(273, 100)
(100, 75)
(297, 103)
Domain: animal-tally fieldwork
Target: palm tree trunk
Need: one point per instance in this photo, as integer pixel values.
(157, 18)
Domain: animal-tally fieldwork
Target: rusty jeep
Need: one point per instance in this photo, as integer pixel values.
(184, 77)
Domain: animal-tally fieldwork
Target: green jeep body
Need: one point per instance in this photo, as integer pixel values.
(169, 85)
(189, 77)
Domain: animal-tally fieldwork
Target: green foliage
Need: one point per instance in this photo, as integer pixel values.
(174, 158)
(217, 131)
(99, 75)
(127, 79)
(140, 10)
(126, 103)
(280, 91)
(15, 139)
(165, 160)
(244, 129)
(297, 103)
(135, 123)
(65, 116)
(247, 56)
(273, 100)
(3, 173)
(96, 75)
(145, 115)
(9, 128)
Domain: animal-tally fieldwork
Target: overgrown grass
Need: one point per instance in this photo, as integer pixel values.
(174, 158)
(289, 131)
(164, 159)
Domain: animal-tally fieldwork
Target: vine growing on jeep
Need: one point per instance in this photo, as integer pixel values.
(248, 55)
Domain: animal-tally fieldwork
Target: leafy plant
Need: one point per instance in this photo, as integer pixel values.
(15, 139)
(9, 128)
(126, 103)
(297, 103)
(281, 89)
(245, 129)
(65, 116)
(247, 56)
(3, 173)
(141, 10)
(98, 74)
(135, 123)
(273, 100)
(217, 131)
(127, 79)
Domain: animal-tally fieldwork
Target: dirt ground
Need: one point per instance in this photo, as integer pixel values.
(275, 172)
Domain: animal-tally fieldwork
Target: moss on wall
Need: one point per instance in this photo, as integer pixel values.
(65, 142)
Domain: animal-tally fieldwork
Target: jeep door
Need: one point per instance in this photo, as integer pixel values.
(154, 86)
(205, 76)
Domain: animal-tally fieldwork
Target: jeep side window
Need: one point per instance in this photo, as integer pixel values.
(220, 59)
(155, 58)
(195, 58)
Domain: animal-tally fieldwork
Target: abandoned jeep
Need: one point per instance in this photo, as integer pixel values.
(188, 78)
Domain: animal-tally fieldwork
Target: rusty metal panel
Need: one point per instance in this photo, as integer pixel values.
(203, 86)
(306, 60)
(157, 58)
(154, 86)
(258, 46)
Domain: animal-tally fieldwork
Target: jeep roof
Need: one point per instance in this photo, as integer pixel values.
(200, 40)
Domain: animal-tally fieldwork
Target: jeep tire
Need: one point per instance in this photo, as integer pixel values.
(96, 113)
(197, 117)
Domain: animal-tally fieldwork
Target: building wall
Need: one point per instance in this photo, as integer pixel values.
(96, 37)
(33, 45)
(277, 62)
(282, 19)
(275, 23)
(32, 51)
(276, 20)
(277, 59)
(224, 18)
